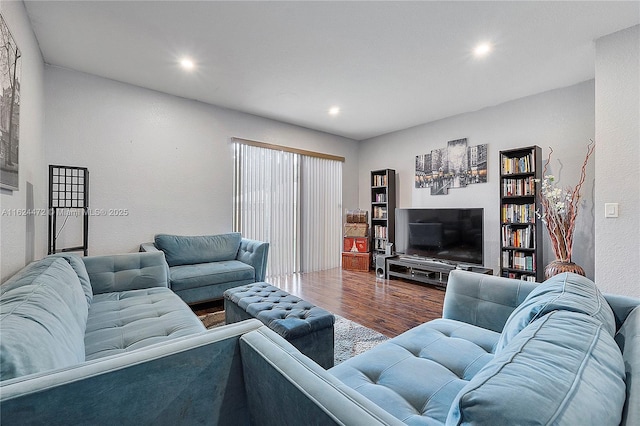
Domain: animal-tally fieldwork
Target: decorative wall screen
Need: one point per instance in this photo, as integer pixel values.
(68, 196)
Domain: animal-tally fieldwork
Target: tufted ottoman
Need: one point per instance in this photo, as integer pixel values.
(307, 327)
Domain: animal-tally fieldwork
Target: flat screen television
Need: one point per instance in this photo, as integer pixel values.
(450, 235)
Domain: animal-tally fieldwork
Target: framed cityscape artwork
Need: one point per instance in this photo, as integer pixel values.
(10, 109)
(455, 166)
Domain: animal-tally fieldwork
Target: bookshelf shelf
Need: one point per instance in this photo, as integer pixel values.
(520, 236)
(383, 208)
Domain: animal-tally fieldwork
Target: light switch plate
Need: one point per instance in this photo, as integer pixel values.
(610, 209)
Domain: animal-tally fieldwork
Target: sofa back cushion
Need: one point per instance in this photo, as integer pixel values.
(43, 316)
(189, 250)
(81, 271)
(562, 369)
(567, 292)
(628, 338)
(130, 271)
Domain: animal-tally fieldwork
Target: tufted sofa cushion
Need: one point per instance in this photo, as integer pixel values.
(189, 250)
(417, 375)
(562, 369)
(568, 292)
(123, 321)
(114, 273)
(42, 306)
(184, 277)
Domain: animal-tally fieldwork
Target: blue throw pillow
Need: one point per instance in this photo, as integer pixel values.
(190, 250)
(563, 369)
(566, 292)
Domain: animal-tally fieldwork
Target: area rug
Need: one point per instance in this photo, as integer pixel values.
(350, 338)
(212, 319)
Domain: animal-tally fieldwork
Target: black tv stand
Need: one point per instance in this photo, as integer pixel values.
(427, 271)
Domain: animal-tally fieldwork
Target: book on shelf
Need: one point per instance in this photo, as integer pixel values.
(379, 180)
(519, 276)
(522, 261)
(380, 231)
(381, 198)
(379, 212)
(518, 260)
(515, 165)
(518, 237)
(518, 187)
(518, 213)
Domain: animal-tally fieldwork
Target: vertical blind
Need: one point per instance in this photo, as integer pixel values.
(294, 202)
(321, 213)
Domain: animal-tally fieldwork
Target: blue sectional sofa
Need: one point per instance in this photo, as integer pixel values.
(505, 352)
(509, 352)
(103, 341)
(202, 267)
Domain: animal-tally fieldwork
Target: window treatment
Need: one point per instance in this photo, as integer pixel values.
(321, 213)
(294, 202)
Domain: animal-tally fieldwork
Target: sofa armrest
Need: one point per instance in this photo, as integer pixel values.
(131, 271)
(285, 387)
(254, 253)
(192, 380)
(483, 300)
(148, 247)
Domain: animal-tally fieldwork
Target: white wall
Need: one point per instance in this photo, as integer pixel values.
(562, 119)
(617, 169)
(167, 160)
(23, 238)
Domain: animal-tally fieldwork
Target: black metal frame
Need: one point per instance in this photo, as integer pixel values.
(68, 189)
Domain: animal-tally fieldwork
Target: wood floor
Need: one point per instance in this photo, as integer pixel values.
(390, 307)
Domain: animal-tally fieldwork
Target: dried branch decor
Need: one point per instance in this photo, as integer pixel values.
(560, 208)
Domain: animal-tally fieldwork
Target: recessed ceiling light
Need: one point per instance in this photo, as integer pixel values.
(187, 64)
(482, 49)
(335, 110)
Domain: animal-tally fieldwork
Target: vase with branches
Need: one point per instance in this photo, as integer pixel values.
(559, 207)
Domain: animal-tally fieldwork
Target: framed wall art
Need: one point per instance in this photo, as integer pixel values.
(455, 166)
(10, 109)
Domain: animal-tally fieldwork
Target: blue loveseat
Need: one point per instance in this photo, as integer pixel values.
(202, 267)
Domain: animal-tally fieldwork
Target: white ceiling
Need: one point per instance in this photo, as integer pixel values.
(388, 65)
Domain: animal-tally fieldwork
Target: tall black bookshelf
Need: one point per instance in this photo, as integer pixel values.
(520, 233)
(383, 209)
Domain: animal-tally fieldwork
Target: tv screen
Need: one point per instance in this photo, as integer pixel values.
(453, 235)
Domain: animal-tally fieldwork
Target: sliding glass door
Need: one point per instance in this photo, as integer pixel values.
(293, 200)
